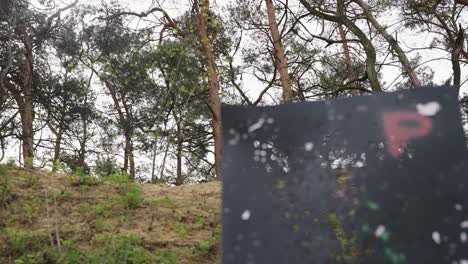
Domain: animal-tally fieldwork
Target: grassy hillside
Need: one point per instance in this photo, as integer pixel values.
(48, 218)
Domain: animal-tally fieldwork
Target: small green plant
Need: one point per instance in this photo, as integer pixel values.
(181, 229)
(132, 196)
(201, 221)
(99, 225)
(5, 186)
(29, 212)
(204, 245)
(166, 202)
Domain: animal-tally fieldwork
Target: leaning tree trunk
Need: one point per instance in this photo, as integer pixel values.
(279, 52)
(202, 16)
(393, 43)
(340, 18)
(349, 65)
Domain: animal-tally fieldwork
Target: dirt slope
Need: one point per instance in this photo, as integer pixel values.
(108, 221)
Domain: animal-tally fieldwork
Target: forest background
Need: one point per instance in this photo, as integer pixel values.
(137, 86)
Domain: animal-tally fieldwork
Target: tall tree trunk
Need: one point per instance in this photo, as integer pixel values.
(456, 52)
(82, 154)
(83, 140)
(84, 122)
(279, 52)
(27, 135)
(393, 43)
(347, 54)
(57, 148)
(163, 165)
(179, 178)
(126, 154)
(153, 163)
(129, 159)
(128, 131)
(27, 108)
(202, 16)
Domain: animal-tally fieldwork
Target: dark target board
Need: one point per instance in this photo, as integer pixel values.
(369, 179)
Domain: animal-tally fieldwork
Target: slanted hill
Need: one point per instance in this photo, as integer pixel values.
(105, 221)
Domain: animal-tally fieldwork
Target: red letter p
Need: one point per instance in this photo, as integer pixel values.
(400, 127)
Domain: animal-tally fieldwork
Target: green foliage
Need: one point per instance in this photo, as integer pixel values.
(105, 167)
(82, 179)
(118, 177)
(334, 72)
(30, 179)
(21, 246)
